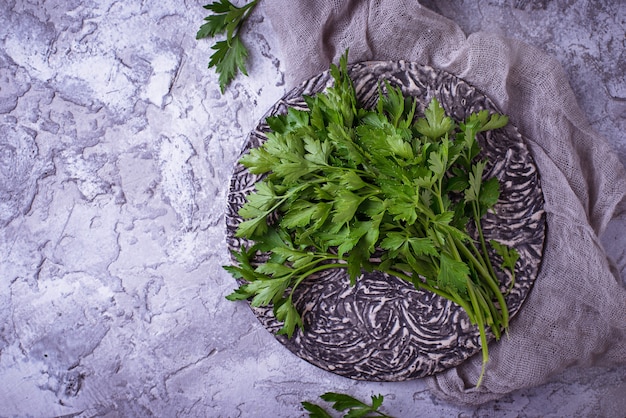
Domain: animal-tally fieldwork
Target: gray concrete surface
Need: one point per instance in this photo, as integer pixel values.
(115, 154)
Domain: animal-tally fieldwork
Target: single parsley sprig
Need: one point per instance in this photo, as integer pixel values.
(372, 190)
(230, 54)
(342, 402)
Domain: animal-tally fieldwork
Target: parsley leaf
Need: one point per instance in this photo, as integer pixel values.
(230, 54)
(215, 25)
(489, 193)
(453, 274)
(286, 312)
(495, 121)
(315, 411)
(346, 205)
(509, 257)
(436, 124)
(343, 402)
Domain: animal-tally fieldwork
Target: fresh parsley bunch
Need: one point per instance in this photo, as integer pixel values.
(364, 190)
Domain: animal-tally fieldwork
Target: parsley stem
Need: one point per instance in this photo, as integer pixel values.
(488, 308)
(491, 282)
(467, 308)
(452, 246)
(245, 12)
(308, 273)
(439, 198)
(482, 237)
(480, 267)
(481, 328)
(452, 296)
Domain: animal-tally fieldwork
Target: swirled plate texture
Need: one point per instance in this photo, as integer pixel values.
(382, 328)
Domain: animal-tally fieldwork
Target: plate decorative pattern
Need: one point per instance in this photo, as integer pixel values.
(383, 329)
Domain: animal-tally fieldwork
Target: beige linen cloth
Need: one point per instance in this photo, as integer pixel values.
(576, 311)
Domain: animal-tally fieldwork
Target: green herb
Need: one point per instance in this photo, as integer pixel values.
(347, 187)
(341, 402)
(230, 54)
(509, 258)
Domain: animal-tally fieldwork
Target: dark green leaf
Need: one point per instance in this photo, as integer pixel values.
(393, 241)
(341, 401)
(272, 239)
(242, 271)
(300, 214)
(352, 181)
(346, 245)
(489, 193)
(377, 401)
(266, 291)
(297, 118)
(354, 407)
(460, 216)
(285, 147)
(437, 164)
(398, 146)
(233, 19)
(259, 161)
(274, 269)
(289, 254)
(292, 171)
(370, 239)
(238, 294)
(457, 184)
(259, 202)
(436, 124)
(444, 218)
(475, 180)
(392, 103)
(221, 6)
(345, 206)
(287, 314)
(357, 230)
(496, 121)
(421, 266)
(422, 246)
(252, 227)
(485, 122)
(215, 25)
(315, 411)
(317, 151)
(358, 413)
(357, 260)
(509, 256)
(453, 274)
(343, 141)
(277, 123)
(228, 58)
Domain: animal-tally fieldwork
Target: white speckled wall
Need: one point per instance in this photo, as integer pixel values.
(116, 148)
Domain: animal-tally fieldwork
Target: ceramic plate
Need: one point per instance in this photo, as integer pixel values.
(383, 329)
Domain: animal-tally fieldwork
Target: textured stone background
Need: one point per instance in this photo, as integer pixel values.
(116, 148)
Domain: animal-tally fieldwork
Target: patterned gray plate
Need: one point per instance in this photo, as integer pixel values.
(383, 329)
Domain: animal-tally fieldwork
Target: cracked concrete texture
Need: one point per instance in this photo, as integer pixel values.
(116, 148)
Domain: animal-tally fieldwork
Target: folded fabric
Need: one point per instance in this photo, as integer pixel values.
(576, 311)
